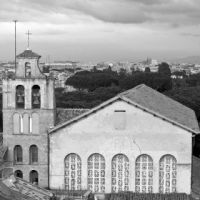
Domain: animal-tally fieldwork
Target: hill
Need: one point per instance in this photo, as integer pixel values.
(189, 60)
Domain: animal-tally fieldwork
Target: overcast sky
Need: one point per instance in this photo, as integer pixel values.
(99, 30)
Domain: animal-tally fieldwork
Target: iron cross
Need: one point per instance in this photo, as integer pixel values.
(28, 33)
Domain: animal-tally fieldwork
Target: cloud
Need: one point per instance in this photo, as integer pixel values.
(178, 12)
(108, 11)
(149, 2)
(191, 34)
(181, 12)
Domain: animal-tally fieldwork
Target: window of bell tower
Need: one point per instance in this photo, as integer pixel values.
(20, 102)
(36, 96)
(27, 69)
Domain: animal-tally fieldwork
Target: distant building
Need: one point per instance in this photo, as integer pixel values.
(154, 68)
(62, 65)
(60, 80)
(70, 88)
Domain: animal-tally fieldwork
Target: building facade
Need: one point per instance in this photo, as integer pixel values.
(139, 141)
(28, 112)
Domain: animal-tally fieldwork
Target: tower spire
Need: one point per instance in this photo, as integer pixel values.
(28, 39)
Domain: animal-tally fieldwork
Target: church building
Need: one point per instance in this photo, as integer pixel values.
(138, 141)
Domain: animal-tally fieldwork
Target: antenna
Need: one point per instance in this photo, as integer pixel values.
(15, 21)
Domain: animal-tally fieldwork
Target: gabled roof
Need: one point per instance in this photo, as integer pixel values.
(28, 54)
(163, 105)
(152, 102)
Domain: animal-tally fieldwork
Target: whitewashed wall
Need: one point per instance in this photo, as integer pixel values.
(143, 134)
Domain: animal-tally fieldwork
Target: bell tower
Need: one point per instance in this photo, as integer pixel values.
(30, 61)
(28, 112)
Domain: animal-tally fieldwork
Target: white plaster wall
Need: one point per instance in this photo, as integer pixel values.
(143, 134)
(35, 71)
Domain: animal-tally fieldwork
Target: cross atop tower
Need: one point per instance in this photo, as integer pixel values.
(28, 33)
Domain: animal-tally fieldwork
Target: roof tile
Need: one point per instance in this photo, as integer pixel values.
(28, 54)
(163, 105)
(153, 102)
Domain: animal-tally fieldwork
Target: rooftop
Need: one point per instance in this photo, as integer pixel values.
(158, 103)
(28, 54)
(152, 102)
(16, 188)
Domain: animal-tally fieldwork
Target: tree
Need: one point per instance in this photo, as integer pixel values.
(1, 114)
(180, 73)
(81, 99)
(164, 69)
(122, 72)
(92, 80)
(193, 80)
(147, 70)
(153, 80)
(132, 69)
(108, 70)
(94, 69)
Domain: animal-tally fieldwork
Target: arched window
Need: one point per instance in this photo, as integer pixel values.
(34, 177)
(27, 69)
(144, 174)
(36, 96)
(26, 123)
(120, 173)
(72, 172)
(18, 154)
(96, 173)
(17, 123)
(167, 174)
(19, 174)
(33, 154)
(35, 127)
(20, 102)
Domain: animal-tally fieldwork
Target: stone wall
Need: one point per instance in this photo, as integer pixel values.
(66, 114)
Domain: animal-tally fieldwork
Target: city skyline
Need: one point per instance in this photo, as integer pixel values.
(91, 30)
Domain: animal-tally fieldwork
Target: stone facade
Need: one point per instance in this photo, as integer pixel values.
(45, 119)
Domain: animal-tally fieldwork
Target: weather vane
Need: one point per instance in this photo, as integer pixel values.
(28, 33)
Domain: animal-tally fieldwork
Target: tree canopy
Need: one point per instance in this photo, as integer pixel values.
(92, 80)
(164, 69)
(95, 79)
(147, 69)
